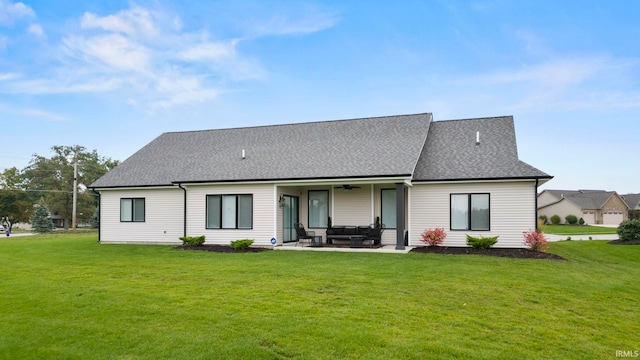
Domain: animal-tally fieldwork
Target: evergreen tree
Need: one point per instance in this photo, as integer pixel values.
(40, 221)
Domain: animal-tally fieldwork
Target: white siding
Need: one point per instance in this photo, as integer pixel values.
(512, 206)
(264, 205)
(163, 216)
(352, 207)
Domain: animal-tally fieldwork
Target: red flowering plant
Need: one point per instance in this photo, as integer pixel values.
(535, 240)
(433, 237)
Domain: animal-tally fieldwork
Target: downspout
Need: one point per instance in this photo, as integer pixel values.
(535, 196)
(184, 218)
(99, 213)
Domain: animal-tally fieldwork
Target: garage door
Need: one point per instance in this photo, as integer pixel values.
(589, 217)
(612, 218)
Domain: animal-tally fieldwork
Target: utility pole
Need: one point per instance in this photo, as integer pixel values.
(75, 195)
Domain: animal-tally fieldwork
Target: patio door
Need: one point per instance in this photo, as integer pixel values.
(290, 217)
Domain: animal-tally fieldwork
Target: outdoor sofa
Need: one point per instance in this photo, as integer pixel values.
(345, 233)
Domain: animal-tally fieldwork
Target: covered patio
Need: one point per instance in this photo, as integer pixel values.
(350, 203)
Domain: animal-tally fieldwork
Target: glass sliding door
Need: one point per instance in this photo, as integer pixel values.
(290, 217)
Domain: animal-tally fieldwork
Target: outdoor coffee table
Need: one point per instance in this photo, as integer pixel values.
(356, 241)
(316, 241)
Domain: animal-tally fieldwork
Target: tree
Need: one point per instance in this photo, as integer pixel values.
(40, 220)
(11, 179)
(53, 178)
(15, 206)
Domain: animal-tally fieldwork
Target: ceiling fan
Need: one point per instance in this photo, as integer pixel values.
(347, 187)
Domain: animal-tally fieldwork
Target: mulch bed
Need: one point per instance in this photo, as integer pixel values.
(508, 253)
(620, 242)
(220, 248)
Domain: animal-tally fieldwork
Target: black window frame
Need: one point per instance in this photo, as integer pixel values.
(133, 209)
(469, 211)
(309, 225)
(237, 217)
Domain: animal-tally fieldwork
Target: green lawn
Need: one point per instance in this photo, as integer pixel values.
(578, 230)
(68, 297)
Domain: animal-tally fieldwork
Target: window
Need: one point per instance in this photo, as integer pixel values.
(132, 210)
(318, 208)
(470, 212)
(229, 212)
(388, 204)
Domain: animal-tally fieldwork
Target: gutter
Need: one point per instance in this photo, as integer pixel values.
(184, 219)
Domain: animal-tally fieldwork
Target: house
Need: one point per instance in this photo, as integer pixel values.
(257, 182)
(633, 202)
(593, 206)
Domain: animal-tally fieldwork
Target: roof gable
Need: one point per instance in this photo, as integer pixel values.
(368, 147)
(585, 199)
(632, 200)
(452, 151)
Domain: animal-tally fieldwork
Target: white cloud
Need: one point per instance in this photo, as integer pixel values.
(65, 85)
(114, 51)
(209, 51)
(10, 12)
(36, 29)
(32, 113)
(290, 19)
(147, 58)
(283, 25)
(595, 82)
(134, 22)
(8, 76)
(42, 114)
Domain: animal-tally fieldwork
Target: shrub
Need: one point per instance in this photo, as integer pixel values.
(629, 230)
(571, 219)
(481, 242)
(535, 240)
(192, 240)
(544, 219)
(241, 244)
(541, 225)
(581, 221)
(433, 237)
(555, 219)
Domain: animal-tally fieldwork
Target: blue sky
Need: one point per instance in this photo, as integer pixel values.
(113, 75)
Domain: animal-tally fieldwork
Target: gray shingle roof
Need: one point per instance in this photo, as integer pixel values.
(585, 199)
(451, 152)
(382, 146)
(633, 200)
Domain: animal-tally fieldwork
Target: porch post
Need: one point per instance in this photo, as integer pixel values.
(399, 216)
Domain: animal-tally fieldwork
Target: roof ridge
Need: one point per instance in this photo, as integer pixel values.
(478, 118)
(298, 123)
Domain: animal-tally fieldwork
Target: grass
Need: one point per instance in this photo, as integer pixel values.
(65, 296)
(578, 230)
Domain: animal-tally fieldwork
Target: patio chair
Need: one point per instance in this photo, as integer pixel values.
(303, 234)
(374, 235)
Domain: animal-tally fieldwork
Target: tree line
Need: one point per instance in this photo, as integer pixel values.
(49, 181)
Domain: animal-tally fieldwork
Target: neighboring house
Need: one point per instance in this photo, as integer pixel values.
(633, 202)
(594, 206)
(256, 182)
